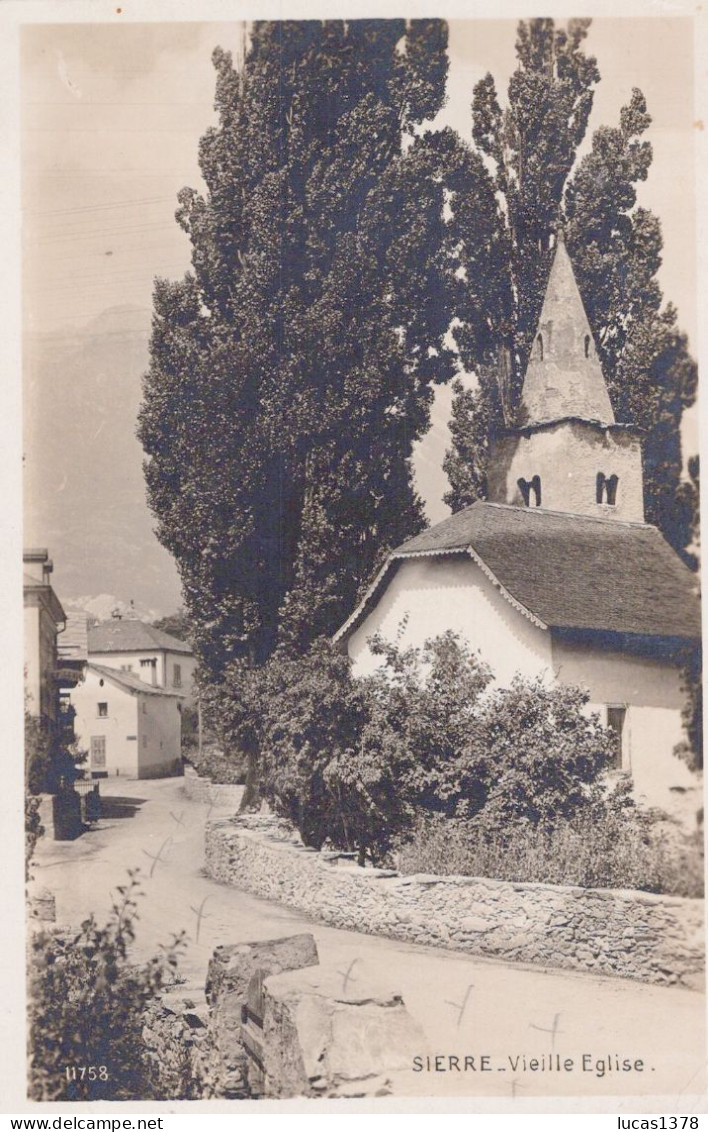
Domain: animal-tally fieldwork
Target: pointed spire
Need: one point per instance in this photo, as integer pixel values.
(564, 377)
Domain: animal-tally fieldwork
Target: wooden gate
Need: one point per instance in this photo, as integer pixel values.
(252, 1033)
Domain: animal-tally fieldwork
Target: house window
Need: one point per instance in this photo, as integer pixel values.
(616, 719)
(530, 491)
(145, 707)
(126, 668)
(98, 752)
(606, 489)
(177, 675)
(102, 710)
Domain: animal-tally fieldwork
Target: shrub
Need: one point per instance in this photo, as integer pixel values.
(87, 1004)
(349, 761)
(606, 849)
(423, 706)
(542, 755)
(217, 766)
(523, 753)
(315, 765)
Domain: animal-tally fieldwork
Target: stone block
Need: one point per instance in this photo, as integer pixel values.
(322, 1038)
(231, 969)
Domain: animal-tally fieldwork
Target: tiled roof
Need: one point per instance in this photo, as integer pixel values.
(128, 681)
(125, 635)
(566, 571)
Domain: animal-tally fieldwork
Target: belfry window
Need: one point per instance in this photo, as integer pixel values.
(539, 344)
(587, 345)
(606, 489)
(530, 491)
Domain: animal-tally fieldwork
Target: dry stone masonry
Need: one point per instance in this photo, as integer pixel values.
(180, 1046)
(199, 789)
(639, 935)
(274, 1023)
(231, 970)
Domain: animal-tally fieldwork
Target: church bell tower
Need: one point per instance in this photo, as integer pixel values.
(566, 452)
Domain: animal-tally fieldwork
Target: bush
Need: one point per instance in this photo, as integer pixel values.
(349, 761)
(523, 753)
(315, 764)
(218, 767)
(607, 849)
(87, 1004)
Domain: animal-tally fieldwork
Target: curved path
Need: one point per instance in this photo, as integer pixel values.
(466, 1006)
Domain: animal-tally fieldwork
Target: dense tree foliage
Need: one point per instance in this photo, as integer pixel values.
(353, 762)
(177, 624)
(531, 146)
(292, 370)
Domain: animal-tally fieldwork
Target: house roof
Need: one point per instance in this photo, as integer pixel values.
(129, 682)
(564, 571)
(126, 635)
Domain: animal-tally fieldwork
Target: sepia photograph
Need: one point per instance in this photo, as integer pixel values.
(362, 676)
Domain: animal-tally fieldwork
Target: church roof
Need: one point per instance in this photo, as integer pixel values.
(564, 571)
(564, 377)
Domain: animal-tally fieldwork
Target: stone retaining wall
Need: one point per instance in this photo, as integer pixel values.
(658, 939)
(213, 793)
(179, 1044)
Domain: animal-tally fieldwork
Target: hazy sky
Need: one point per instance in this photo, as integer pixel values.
(111, 119)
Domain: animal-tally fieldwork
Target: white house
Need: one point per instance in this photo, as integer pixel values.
(558, 574)
(128, 727)
(156, 658)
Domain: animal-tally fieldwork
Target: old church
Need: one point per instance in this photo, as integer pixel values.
(558, 574)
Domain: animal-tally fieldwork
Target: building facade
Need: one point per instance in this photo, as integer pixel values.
(558, 575)
(127, 727)
(154, 657)
(44, 617)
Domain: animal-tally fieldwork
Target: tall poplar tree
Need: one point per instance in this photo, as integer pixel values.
(531, 147)
(292, 369)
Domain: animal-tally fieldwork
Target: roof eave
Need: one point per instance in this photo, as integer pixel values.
(356, 618)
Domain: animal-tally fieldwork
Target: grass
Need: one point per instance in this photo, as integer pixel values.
(619, 851)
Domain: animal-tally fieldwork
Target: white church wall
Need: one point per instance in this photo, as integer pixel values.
(650, 689)
(446, 593)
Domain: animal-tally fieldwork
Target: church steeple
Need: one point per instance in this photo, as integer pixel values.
(566, 452)
(564, 377)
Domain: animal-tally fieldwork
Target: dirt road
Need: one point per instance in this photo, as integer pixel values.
(465, 1006)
